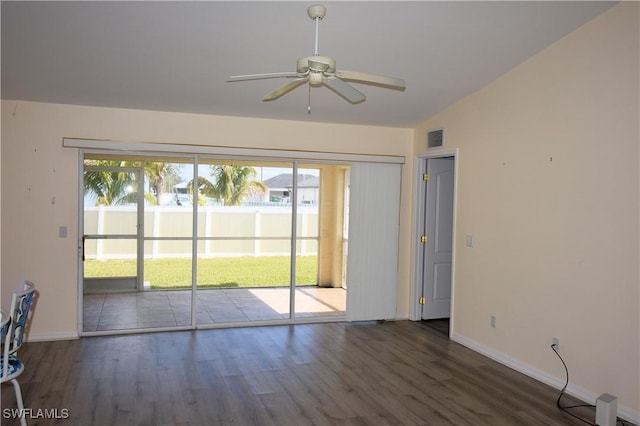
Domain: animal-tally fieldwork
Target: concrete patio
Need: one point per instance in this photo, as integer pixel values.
(172, 308)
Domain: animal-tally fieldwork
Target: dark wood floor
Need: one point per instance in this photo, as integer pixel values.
(441, 325)
(396, 373)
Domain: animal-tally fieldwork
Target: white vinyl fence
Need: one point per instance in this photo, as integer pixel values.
(222, 231)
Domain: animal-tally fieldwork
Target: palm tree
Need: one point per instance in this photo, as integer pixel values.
(159, 174)
(109, 187)
(204, 187)
(119, 187)
(232, 184)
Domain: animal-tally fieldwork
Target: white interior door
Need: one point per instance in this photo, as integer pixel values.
(439, 242)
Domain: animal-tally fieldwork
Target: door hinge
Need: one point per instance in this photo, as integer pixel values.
(425, 177)
(423, 301)
(424, 239)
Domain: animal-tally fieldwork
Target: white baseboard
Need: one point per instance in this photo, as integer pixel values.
(48, 337)
(573, 390)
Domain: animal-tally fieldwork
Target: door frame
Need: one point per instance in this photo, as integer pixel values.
(419, 212)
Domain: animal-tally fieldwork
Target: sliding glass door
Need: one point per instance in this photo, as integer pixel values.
(320, 290)
(167, 296)
(195, 241)
(110, 243)
(244, 242)
(137, 243)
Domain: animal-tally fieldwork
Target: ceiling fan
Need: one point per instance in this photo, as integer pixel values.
(321, 71)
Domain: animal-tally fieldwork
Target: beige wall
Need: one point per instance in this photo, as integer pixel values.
(548, 186)
(40, 183)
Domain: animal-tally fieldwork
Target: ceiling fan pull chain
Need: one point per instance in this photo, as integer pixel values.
(309, 104)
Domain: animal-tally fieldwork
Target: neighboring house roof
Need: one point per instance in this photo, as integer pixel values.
(285, 180)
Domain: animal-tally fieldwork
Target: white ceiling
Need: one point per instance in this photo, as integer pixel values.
(176, 56)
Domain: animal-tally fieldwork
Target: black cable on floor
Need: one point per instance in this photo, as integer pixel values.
(566, 409)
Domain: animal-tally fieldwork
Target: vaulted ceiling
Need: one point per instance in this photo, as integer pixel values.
(176, 56)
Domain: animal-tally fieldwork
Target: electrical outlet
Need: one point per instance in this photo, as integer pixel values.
(556, 343)
(493, 321)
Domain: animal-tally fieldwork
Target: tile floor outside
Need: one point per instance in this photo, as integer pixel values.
(172, 308)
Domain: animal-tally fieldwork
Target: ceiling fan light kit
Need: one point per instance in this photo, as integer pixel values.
(321, 71)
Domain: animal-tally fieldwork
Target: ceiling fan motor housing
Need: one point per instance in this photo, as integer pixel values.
(316, 63)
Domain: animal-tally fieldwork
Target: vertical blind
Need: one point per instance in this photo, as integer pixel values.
(372, 264)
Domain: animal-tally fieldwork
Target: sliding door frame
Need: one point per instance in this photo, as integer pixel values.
(195, 154)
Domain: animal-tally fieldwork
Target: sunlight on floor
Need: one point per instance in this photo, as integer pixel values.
(307, 300)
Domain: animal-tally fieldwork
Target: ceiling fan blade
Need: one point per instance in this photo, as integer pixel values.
(272, 96)
(373, 79)
(262, 76)
(344, 89)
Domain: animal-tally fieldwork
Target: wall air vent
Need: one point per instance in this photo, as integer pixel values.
(434, 138)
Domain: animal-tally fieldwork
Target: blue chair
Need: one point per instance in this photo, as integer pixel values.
(13, 328)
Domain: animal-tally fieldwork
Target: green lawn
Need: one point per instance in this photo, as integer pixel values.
(212, 272)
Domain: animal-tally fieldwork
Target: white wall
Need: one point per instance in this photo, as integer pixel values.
(40, 181)
(549, 188)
